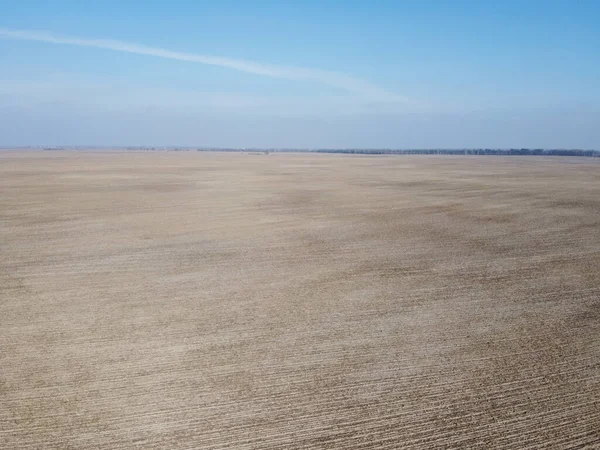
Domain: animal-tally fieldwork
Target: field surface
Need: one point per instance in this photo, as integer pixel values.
(212, 300)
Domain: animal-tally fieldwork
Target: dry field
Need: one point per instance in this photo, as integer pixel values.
(211, 300)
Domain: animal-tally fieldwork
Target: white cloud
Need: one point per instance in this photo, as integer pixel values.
(339, 80)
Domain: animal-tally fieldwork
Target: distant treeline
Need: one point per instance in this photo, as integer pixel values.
(363, 151)
(473, 151)
(441, 151)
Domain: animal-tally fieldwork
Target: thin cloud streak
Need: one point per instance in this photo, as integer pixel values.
(334, 79)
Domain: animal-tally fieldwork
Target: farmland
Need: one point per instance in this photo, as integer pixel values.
(214, 300)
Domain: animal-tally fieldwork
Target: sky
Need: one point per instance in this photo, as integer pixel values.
(310, 74)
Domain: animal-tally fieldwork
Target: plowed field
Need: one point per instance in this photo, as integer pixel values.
(211, 300)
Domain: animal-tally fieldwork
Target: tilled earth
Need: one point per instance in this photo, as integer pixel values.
(212, 300)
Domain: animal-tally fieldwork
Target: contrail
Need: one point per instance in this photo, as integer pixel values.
(338, 80)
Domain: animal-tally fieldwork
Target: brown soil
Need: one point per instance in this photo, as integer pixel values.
(210, 300)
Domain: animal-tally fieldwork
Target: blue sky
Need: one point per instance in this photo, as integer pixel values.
(300, 74)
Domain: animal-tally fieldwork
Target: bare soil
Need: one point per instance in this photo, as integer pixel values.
(210, 300)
